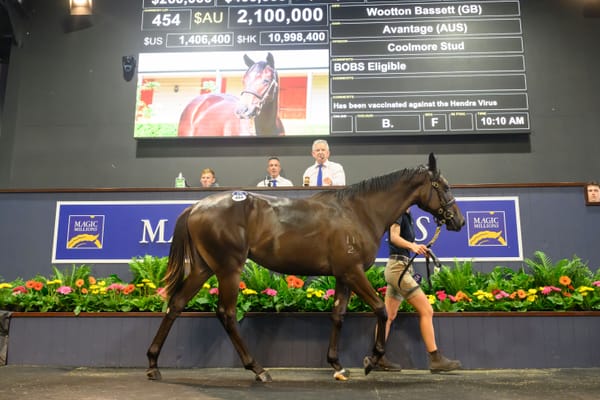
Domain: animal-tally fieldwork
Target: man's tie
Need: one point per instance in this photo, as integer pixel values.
(274, 182)
(320, 176)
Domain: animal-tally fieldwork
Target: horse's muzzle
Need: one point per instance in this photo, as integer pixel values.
(244, 111)
(455, 224)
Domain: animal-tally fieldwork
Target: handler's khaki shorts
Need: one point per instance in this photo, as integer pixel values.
(408, 287)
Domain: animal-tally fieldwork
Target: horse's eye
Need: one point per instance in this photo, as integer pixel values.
(266, 81)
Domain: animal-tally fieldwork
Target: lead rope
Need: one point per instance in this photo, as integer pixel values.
(430, 254)
(427, 257)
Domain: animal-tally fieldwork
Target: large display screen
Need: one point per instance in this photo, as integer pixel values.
(282, 68)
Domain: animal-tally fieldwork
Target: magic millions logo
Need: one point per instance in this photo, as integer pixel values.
(85, 232)
(486, 228)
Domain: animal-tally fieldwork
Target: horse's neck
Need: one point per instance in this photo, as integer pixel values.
(266, 121)
(386, 206)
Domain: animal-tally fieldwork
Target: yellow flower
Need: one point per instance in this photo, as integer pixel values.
(531, 291)
(531, 297)
(54, 282)
(481, 295)
(139, 284)
(145, 280)
(248, 291)
(584, 290)
(102, 283)
(151, 285)
(5, 285)
(431, 298)
(206, 286)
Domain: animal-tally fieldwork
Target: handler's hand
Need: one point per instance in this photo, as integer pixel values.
(420, 249)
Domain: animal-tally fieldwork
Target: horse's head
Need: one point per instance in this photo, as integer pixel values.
(260, 87)
(438, 199)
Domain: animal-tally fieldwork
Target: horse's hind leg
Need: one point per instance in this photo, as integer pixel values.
(191, 285)
(226, 312)
(342, 295)
(363, 288)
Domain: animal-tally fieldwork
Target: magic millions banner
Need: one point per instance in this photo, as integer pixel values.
(116, 232)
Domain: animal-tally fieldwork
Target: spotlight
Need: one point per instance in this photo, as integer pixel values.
(81, 7)
(129, 63)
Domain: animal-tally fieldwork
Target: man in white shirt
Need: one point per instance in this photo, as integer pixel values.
(323, 172)
(273, 179)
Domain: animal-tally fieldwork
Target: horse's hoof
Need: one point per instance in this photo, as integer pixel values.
(264, 377)
(341, 375)
(368, 364)
(153, 374)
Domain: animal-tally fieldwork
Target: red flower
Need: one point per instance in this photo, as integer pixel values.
(129, 289)
(294, 282)
(19, 290)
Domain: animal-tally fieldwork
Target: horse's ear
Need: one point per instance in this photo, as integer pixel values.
(270, 60)
(432, 163)
(248, 61)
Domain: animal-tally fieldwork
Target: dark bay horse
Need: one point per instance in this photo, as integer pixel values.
(254, 113)
(334, 232)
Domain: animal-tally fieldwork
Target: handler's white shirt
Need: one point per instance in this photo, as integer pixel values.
(331, 170)
(281, 181)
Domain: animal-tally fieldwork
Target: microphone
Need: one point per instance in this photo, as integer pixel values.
(268, 182)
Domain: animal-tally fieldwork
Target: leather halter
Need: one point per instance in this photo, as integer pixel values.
(263, 97)
(444, 212)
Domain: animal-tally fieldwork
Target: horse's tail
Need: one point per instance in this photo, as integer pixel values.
(179, 255)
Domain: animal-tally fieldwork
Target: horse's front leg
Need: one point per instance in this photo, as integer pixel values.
(177, 303)
(342, 295)
(226, 312)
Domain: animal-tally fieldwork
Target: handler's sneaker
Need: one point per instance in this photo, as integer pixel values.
(386, 365)
(438, 363)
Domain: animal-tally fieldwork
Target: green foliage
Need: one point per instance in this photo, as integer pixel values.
(565, 285)
(70, 277)
(546, 273)
(148, 129)
(459, 278)
(150, 268)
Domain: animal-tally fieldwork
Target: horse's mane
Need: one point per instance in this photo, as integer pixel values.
(377, 183)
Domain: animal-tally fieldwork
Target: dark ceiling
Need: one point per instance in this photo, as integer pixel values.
(12, 26)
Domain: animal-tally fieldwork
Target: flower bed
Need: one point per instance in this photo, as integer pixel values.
(541, 285)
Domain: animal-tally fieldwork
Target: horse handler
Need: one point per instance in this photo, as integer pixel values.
(402, 286)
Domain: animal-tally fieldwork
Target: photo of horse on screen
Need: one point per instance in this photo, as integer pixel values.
(254, 113)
